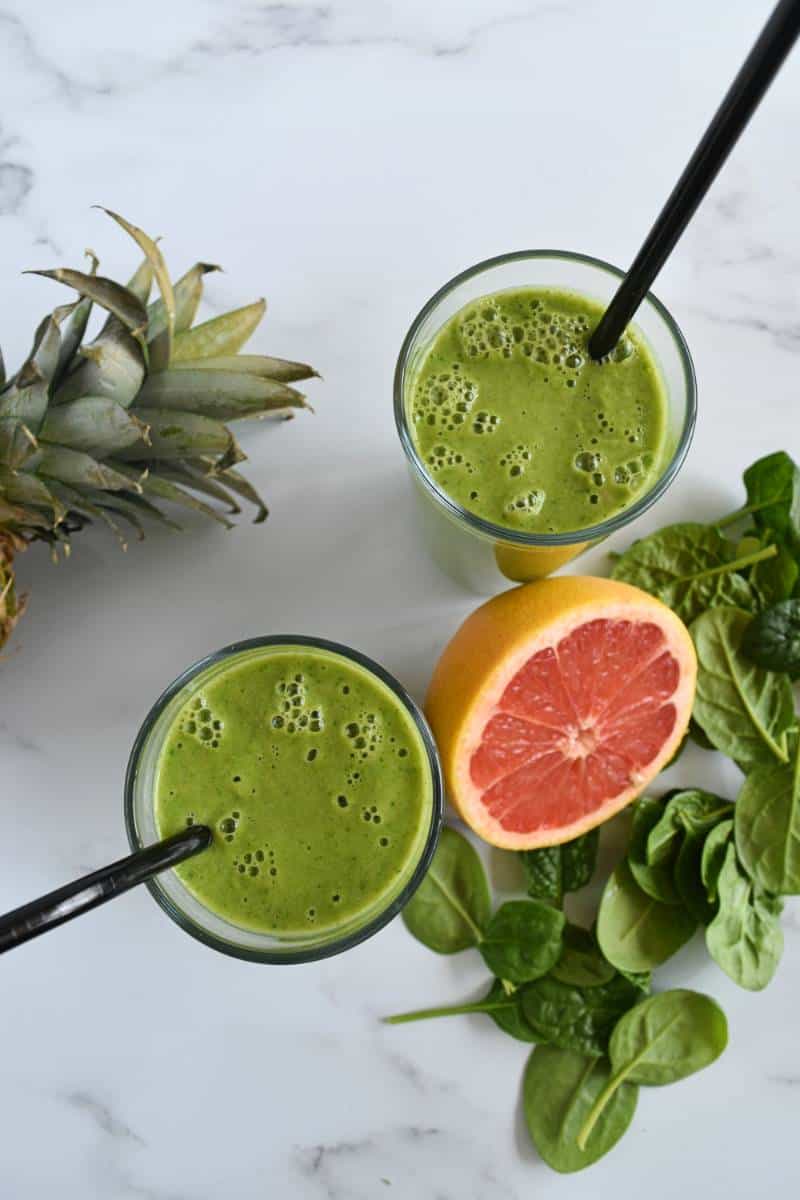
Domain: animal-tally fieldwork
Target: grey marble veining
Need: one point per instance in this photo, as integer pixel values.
(344, 159)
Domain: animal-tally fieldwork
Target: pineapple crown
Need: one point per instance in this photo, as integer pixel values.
(114, 429)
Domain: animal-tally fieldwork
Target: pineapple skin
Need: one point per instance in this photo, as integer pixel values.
(136, 421)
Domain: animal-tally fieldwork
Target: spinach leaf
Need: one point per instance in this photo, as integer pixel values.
(575, 1018)
(451, 907)
(663, 1039)
(745, 711)
(692, 811)
(775, 578)
(581, 963)
(523, 940)
(698, 737)
(653, 877)
(773, 496)
(767, 826)
(688, 879)
(745, 937)
(552, 871)
(559, 1090)
(690, 567)
(772, 639)
(636, 932)
(641, 980)
(499, 1003)
(712, 858)
(507, 1012)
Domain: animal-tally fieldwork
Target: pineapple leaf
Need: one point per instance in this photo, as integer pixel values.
(112, 366)
(75, 328)
(237, 483)
(224, 395)
(160, 347)
(131, 503)
(200, 482)
(221, 335)
(180, 435)
(95, 424)
(21, 517)
(163, 489)
(109, 295)
(17, 443)
(25, 400)
(280, 369)
(20, 487)
(188, 293)
(141, 281)
(76, 469)
(80, 502)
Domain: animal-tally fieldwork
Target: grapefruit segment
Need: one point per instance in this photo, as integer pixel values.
(556, 703)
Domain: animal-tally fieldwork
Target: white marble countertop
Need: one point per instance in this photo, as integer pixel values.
(346, 159)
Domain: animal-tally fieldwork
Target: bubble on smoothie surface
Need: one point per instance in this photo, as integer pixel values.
(516, 460)
(442, 401)
(365, 735)
(200, 723)
(294, 712)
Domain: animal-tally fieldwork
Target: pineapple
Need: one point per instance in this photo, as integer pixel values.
(112, 430)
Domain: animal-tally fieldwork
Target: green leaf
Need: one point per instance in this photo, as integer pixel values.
(109, 295)
(280, 369)
(690, 567)
(223, 395)
(745, 710)
(653, 875)
(159, 488)
(22, 488)
(17, 443)
(745, 937)
(773, 496)
(188, 292)
(581, 963)
(712, 859)
(665, 1038)
(112, 365)
(559, 1091)
(507, 1012)
(767, 828)
(242, 487)
(636, 932)
(182, 435)
(160, 349)
(576, 1018)
(775, 578)
(691, 811)
(552, 871)
(772, 639)
(79, 470)
(220, 336)
(523, 940)
(95, 424)
(450, 909)
(688, 879)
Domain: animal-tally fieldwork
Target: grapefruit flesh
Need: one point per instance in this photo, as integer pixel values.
(556, 703)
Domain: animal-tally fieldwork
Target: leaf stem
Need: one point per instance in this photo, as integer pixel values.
(739, 513)
(736, 564)
(596, 1111)
(474, 929)
(451, 1010)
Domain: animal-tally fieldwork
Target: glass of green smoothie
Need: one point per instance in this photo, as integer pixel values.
(320, 781)
(522, 450)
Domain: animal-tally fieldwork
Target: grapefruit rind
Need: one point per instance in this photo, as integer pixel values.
(496, 643)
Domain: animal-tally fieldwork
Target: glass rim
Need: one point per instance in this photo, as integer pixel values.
(301, 953)
(501, 533)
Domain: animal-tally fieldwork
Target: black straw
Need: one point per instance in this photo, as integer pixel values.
(760, 68)
(39, 916)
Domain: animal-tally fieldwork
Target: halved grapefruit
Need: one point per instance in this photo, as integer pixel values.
(556, 703)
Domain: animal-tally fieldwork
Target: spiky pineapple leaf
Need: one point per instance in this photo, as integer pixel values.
(74, 468)
(224, 395)
(180, 435)
(281, 369)
(225, 334)
(75, 328)
(200, 481)
(17, 443)
(132, 504)
(25, 400)
(160, 349)
(20, 487)
(109, 295)
(234, 480)
(163, 489)
(112, 365)
(188, 294)
(95, 424)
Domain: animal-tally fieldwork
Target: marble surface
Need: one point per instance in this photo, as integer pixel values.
(346, 158)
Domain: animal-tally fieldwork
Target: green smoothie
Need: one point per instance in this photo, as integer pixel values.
(517, 424)
(315, 781)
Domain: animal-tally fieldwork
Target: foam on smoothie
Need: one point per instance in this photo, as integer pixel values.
(517, 424)
(315, 781)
